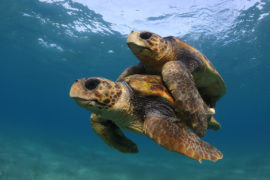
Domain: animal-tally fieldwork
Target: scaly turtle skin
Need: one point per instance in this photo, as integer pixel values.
(191, 79)
(116, 106)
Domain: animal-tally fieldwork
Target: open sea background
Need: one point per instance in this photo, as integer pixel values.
(46, 44)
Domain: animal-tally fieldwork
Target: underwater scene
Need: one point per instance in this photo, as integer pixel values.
(46, 45)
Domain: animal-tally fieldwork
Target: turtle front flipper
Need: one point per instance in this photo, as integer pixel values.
(112, 135)
(137, 69)
(173, 135)
(188, 101)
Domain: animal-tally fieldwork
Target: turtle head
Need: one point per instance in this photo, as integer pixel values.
(149, 47)
(95, 94)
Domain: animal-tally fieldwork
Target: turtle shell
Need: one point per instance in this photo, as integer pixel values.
(149, 85)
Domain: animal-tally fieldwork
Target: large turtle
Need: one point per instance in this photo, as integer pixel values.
(142, 105)
(190, 77)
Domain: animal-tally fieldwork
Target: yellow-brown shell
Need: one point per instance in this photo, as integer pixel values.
(207, 76)
(149, 85)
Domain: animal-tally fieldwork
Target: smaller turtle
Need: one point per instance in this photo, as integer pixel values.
(190, 77)
(117, 105)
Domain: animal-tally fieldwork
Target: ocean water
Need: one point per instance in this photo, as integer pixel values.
(46, 44)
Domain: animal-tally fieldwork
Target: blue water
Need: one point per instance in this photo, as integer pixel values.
(45, 45)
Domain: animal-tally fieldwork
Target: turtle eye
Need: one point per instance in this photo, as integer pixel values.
(145, 35)
(91, 84)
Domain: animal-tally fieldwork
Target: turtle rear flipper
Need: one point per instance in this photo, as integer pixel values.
(213, 124)
(112, 135)
(177, 137)
(187, 98)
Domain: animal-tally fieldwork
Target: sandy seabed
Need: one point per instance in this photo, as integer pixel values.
(24, 158)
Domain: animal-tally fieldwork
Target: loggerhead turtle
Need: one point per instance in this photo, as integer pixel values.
(117, 105)
(190, 77)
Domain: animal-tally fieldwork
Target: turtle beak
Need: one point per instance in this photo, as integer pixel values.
(84, 88)
(75, 89)
(135, 39)
(84, 98)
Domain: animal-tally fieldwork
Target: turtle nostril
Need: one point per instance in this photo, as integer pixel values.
(91, 84)
(145, 35)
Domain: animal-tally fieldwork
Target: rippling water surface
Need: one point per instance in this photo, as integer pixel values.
(46, 44)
